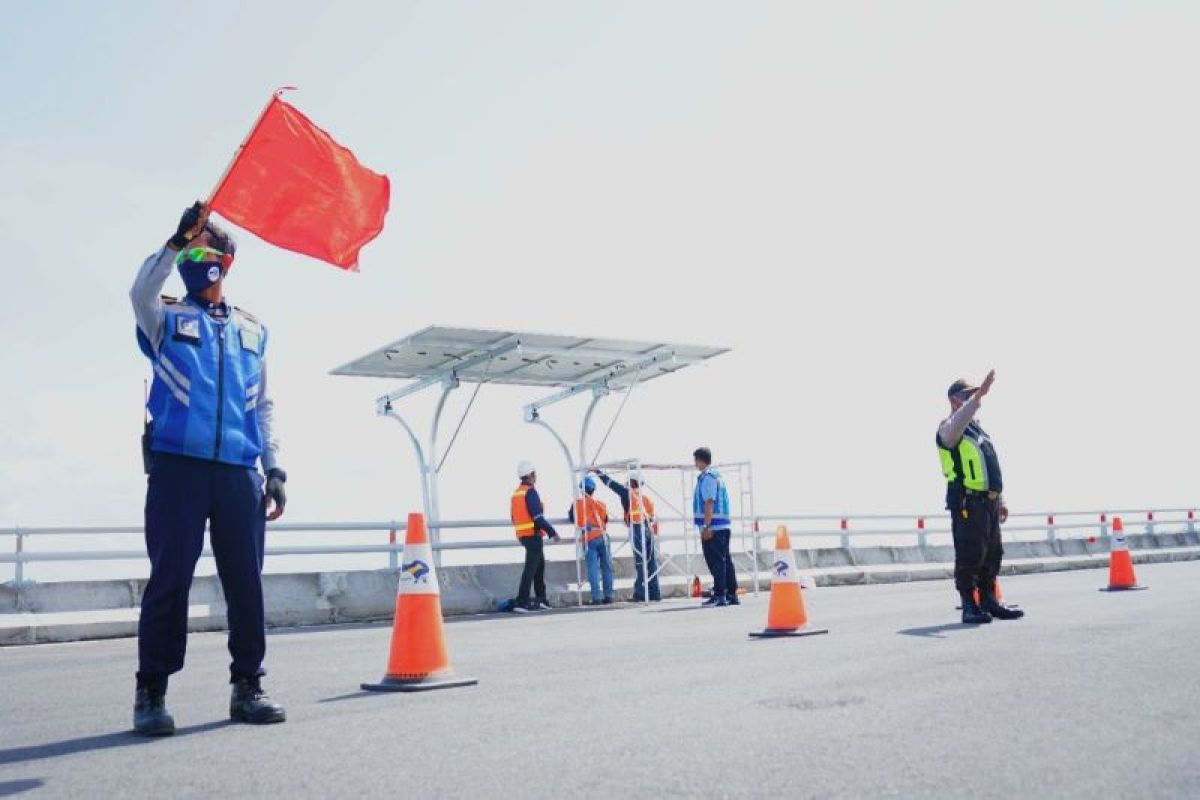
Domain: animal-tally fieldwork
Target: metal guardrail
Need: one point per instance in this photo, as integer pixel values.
(845, 527)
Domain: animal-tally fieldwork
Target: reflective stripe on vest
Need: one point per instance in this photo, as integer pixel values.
(522, 522)
(203, 402)
(594, 516)
(965, 464)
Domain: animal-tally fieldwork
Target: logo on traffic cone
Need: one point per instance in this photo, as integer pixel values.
(695, 586)
(1120, 563)
(786, 615)
(418, 659)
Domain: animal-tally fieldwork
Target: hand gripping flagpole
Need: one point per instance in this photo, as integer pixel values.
(242, 147)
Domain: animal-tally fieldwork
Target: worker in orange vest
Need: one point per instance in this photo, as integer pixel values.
(530, 524)
(591, 525)
(639, 517)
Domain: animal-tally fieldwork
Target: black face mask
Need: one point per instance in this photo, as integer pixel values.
(197, 277)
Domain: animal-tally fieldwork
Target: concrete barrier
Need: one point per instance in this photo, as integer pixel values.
(68, 611)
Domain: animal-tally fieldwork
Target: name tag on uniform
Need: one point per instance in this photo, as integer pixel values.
(187, 328)
(251, 339)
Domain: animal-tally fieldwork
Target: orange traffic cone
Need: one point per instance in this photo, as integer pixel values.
(696, 586)
(1120, 563)
(786, 615)
(418, 659)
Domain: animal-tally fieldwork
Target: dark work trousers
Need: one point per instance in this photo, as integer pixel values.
(720, 564)
(977, 547)
(643, 543)
(535, 569)
(182, 494)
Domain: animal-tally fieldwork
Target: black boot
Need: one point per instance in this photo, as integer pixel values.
(972, 613)
(989, 603)
(150, 715)
(249, 703)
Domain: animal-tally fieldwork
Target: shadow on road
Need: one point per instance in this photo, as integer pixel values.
(349, 696)
(9, 788)
(937, 631)
(103, 741)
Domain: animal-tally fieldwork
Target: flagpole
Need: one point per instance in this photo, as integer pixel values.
(238, 153)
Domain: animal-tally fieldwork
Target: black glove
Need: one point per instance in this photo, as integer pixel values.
(274, 491)
(188, 221)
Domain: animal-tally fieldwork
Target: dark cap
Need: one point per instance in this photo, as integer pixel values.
(960, 386)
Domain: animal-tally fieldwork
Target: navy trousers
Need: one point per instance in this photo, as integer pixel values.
(720, 564)
(181, 495)
(643, 545)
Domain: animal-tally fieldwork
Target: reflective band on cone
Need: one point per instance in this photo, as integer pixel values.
(418, 660)
(1120, 562)
(786, 615)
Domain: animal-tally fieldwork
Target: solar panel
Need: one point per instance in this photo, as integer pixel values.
(524, 359)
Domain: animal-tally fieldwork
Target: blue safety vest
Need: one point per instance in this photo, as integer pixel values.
(204, 399)
(720, 515)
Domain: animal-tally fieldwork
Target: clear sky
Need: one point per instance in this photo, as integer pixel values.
(864, 200)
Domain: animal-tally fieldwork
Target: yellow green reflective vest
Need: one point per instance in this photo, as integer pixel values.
(966, 465)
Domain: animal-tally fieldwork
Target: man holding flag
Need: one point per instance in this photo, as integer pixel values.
(210, 424)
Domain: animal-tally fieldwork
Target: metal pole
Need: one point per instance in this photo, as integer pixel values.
(421, 465)
(534, 418)
(434, 513)
(19, 567)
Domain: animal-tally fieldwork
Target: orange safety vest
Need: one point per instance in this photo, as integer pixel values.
(591, 518)
(639, 507)
(522, 522)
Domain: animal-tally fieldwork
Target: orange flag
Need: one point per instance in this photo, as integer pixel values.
(294, 186)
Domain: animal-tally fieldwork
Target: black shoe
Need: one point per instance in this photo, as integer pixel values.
(607, 601)
(542, 604)
(992, 606)
(521, 608)
(150, 715)
(972, 613)
(732, 600)
(249, 703)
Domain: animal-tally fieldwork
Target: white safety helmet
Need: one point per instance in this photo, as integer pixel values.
(525, 469)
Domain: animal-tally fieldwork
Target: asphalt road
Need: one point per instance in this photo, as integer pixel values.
(1091, 694)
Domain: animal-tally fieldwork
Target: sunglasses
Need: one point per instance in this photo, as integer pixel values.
(201, 255)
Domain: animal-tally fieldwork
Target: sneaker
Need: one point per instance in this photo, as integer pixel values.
(542, 604)
(150, 715)
(713, 602)
(608, 601)
(732, 600)
(249, 703)
(521, 608)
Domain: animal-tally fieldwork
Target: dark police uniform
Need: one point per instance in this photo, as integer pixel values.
(974, 489)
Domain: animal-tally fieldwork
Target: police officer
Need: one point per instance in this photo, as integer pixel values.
(210, 424)
(975, 500)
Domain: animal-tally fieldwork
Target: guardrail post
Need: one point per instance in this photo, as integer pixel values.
(1051, 536)
(922, 537)
(1149, 523)
(19, 565)
(1104, 525)
(1191, 524)
(393, 561)
(754, 533)
(845, 534)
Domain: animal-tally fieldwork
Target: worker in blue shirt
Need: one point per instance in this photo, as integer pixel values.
(639, 516)
(710, 511)
(210, 424)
